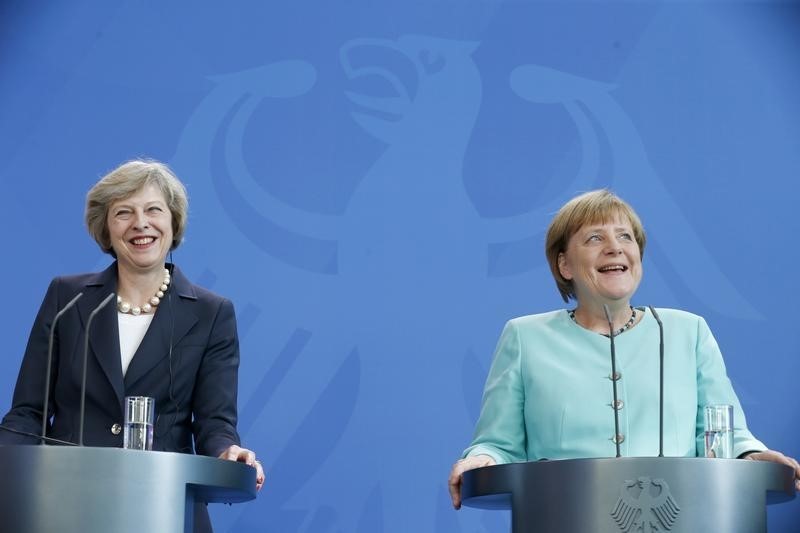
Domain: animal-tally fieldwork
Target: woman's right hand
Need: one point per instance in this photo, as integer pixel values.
(461, 466)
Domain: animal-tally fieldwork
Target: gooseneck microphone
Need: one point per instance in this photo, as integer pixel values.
(46, 403)
(85, 360)
(613, 377)
(660, 382)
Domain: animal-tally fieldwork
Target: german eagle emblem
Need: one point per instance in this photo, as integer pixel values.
(645, 505)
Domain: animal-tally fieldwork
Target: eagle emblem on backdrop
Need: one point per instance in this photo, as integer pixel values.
(645, 505)
(405, 245)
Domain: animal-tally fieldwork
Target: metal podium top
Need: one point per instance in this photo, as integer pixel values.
(55, 488)
(627, 494)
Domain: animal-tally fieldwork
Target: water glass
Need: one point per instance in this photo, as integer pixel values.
(139, 417)
(719, 431)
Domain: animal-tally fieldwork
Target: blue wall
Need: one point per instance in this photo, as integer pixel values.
(370, 183)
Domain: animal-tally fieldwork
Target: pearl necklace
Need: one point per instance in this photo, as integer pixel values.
(623, 329)
(125, 307)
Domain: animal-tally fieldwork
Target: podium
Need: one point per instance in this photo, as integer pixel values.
(632, 494)
(110, 490)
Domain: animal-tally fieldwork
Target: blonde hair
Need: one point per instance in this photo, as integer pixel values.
(123, 182)
(593, 207)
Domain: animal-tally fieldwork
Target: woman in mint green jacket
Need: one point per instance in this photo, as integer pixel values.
(547, 395)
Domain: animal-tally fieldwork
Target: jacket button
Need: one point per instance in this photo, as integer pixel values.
(618, 439)
(617, 405)
(616, 376)
(116, 429)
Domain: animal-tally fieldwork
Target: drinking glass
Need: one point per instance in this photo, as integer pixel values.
(138, 429)
(719, 431)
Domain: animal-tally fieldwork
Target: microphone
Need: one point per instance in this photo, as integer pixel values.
(613, 377)
(85, 359)
(45, 416)
(660, 383)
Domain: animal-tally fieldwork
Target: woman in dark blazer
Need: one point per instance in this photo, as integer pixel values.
(165, 337)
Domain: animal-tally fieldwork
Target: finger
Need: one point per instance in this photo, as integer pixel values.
(455, 492)
(454, 484)
(260, 477)
(231, 454)
(456, 471)
(456, 476)
(777, 457)
(788, 461)
(242, 455)
(247, 457)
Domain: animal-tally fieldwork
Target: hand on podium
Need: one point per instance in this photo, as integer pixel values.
(243, 455)
(777, 457)
(461, 466)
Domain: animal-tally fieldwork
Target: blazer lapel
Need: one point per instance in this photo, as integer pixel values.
(174, 317)
(104, 335)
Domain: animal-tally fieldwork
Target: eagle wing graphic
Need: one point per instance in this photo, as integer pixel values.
(664, 505)
(628, 508)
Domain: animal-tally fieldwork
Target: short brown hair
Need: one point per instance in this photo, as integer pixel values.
(123, 182)
(593, 207)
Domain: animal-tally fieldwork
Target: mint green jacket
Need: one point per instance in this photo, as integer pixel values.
(549, 392)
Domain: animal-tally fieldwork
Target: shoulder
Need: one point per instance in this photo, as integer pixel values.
(680, 324)
(87, 279)
(76, 280)
(678, 317)
(71, 284)
(539, 318)
(203, 297)
(211, 298)
(539, 323)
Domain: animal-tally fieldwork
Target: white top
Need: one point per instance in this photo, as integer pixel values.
(131, 332)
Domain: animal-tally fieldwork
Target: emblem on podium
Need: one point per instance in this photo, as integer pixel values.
(645, 505)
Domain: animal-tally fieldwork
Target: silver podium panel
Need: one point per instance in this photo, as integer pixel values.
(632, 494)
(47, 489)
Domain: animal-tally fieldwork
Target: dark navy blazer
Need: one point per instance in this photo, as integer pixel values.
(194, 383)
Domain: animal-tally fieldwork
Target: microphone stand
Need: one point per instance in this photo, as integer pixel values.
(613, 377)
(85, 359)
(660, 382)
(45, 407)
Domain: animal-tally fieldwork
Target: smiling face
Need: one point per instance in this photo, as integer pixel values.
(603, 262)
(140, 230)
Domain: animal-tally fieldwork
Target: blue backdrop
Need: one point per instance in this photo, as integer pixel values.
(382, 173)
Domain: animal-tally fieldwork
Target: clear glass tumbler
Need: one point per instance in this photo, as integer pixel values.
(139, 417)
(719, 431)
